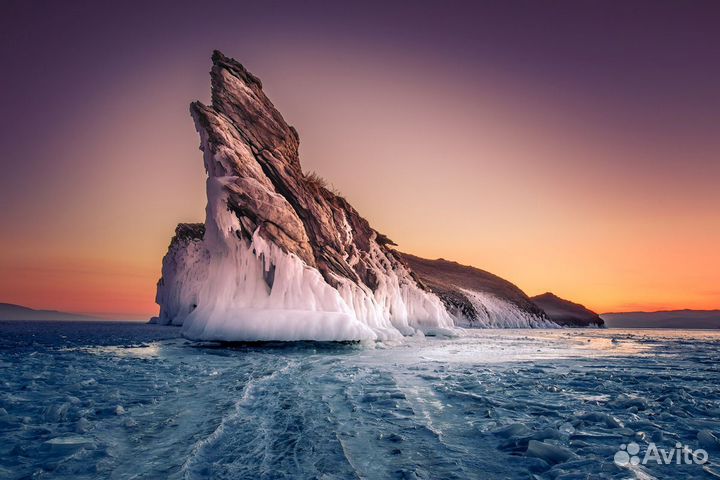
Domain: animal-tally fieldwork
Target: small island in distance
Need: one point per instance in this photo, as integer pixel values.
(567, 313)
(682, 319)
(12, 312)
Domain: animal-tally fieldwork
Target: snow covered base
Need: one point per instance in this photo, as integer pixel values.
(236, 286)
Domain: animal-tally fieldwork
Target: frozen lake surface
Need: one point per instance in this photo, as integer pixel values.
(114, 400)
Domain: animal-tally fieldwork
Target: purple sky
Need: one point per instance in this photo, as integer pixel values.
(634, 84)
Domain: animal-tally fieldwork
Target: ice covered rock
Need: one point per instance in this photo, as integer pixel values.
(477, 298)
(548, 452)
(515, 430)
(280, 256)
(65, 445)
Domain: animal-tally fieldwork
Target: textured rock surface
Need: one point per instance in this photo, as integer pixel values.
(248, 138)
(279, 257)
(567, 313)
(475, 297)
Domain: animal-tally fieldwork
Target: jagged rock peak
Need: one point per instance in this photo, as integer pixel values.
(281, 257)
(293, 210)
(238, 94)
(220, 60)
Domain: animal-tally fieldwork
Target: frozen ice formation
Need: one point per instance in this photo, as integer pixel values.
(280, 256)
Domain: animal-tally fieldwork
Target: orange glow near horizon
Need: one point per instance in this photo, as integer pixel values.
(537, 187)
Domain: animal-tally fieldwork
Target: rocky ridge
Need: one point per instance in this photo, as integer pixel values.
(566, 313)
(282, 257)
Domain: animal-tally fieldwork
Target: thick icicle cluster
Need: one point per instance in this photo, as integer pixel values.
(280, 257)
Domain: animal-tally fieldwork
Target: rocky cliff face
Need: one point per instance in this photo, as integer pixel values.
(476, 298)
(566, 313)
(280, 257)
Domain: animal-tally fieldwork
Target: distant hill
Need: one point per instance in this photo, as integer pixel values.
(8, 311)
(666, 319)
(566, 313)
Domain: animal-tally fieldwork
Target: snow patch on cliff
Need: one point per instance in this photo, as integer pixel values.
(494, 312)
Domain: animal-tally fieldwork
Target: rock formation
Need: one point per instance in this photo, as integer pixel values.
(280, 257)
(566, 313)
(476, 298)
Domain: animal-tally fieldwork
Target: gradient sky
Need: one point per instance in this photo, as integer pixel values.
(568, 146)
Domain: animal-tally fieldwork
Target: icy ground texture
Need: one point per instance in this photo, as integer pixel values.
(125, 401)
(280, 256)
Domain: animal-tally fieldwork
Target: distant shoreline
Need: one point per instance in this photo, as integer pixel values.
(144, 322)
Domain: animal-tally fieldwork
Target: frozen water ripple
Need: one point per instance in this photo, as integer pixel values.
(135, 401)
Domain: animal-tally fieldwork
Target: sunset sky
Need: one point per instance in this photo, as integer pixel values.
(567, 146)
